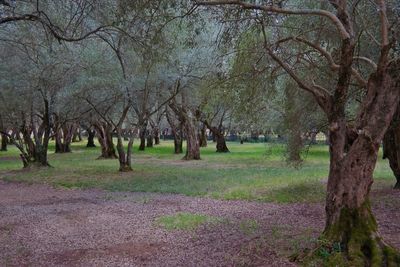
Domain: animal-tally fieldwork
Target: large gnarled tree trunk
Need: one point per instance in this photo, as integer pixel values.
(350, 221)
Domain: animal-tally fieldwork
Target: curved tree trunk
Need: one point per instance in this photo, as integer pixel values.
(219, 135)
(104, 135)
(221, 143)
(125, 162)
(63, 137)
(391, 146)
(350, 221)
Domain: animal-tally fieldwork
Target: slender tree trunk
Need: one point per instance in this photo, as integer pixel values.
(142, 135)
(4, 142)
(91, 135)
(156, 134)
(391, 146)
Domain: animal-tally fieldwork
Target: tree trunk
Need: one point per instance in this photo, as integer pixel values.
(91, 135)
(178, 144)
(192, 141)
(391, 146)
(125, 162)
(142, 135)
(219, 135)
(350, 222)
(156, 134)
(4, 141)
(77, 137)
(104, 134)
(63, 138)
(149, 140)
(203, 136)
(221, 143)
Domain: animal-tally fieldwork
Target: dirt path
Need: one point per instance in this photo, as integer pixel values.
(43, 226)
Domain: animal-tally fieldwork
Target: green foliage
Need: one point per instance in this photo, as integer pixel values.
(184, 221)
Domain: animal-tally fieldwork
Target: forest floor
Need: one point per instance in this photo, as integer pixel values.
(244, 208)
(45, 226)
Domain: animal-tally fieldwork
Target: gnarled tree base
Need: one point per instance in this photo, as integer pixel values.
(354, 241)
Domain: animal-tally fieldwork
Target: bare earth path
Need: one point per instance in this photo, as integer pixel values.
(43, 226)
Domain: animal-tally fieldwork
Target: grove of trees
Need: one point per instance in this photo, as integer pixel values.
(203, 71)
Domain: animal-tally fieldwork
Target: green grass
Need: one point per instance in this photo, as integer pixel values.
(185, 221)
(250, 172)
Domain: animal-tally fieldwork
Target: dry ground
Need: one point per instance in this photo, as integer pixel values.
(44, 226)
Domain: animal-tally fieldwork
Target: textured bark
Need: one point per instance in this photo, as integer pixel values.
(104, 135)
(63, 137)
(125, 162)
(350, 221)
(178, 143)
(192, 140)
(177, 132)
(391, 146)
(219, 135)
(91, 135)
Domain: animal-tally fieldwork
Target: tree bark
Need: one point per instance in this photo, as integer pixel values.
(142, 135)
(350, 221)
(391, 146)
(177, 132)
(125, 162)
(63, 137)
(192, 140)
(104, 135)
(91, 135)
(219, 135)
(156, 134)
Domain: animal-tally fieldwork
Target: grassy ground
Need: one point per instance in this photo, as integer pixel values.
(249, 172)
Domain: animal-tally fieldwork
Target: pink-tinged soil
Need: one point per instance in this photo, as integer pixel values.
(44, 226)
